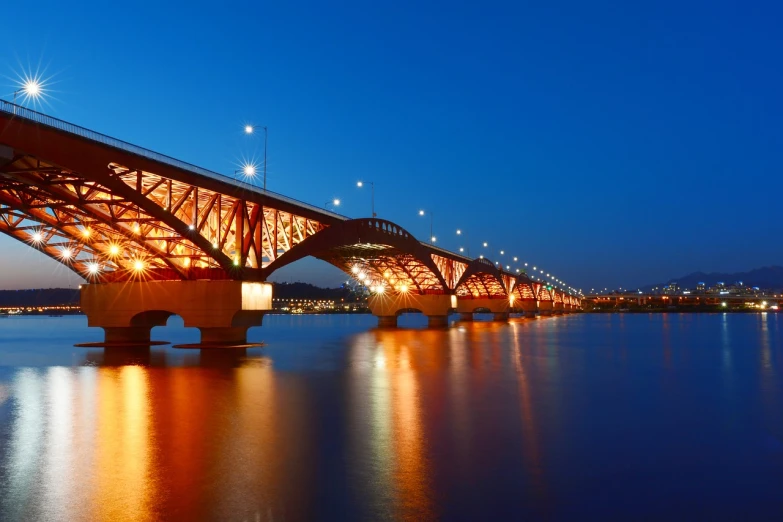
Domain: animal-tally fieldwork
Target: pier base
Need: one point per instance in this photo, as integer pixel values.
(222, 310)
(436, 307)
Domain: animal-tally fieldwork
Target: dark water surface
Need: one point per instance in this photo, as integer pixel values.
(589, 417)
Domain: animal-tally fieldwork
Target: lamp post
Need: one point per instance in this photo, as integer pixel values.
(334, 203)
(421, 213)
(460, 233)
(31, 88)
(249, 129)
(360, 184)
(248, 170)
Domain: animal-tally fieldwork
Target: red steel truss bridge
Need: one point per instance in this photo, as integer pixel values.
(140, 226)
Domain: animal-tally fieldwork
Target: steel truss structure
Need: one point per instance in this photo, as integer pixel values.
(112, 211)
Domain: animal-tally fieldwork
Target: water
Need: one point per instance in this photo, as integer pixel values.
(629, 417)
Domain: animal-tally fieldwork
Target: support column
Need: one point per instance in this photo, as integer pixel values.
(500, 308)
(437, 321)
(466, 316)
(435, 307)
(528, 307)
(222, 310)
(387, 321)
(545, 307)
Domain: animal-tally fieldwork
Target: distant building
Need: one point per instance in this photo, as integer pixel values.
(671, 288)
(700, 286)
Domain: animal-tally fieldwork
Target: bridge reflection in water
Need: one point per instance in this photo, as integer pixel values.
(404, 419)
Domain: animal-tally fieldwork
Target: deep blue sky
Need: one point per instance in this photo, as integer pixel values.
(613, 144)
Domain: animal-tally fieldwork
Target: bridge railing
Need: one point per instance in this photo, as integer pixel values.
(19, 111)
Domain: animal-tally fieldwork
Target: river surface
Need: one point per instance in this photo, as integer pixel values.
(582, 417)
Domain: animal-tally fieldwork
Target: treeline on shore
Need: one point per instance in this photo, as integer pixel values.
(46, 297)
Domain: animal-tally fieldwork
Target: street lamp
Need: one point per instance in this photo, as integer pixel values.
(334, 203)
(460, 233)
(248, 170)
(31, 88)
(249, 129)
(360, 184)
(421, 213)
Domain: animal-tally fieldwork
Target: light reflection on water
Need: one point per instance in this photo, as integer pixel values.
(572, 417)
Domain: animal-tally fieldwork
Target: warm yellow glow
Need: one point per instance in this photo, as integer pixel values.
(136, 229)
(380, 289)
(66, 253)
(114, 250)
(138, 265)
(32, 88)
(86, 232)
(404, 288)
(236, 262)
(187, 261)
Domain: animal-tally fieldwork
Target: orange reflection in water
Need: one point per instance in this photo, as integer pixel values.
(145, 443)
(124, 486)
(401, 360)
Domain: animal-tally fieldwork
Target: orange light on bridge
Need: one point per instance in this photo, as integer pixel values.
(136, 229)
(114, 250)
(37, 237)
(138, 265)
(66, 253)
(86, 232)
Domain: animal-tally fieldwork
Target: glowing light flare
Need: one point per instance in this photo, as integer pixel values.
(114, 250)
(359, 184)
(421, 212)
(37, 237)
(86, 232)
(136, 229)
(138, 265)
(459, 232)
(66, 253)
(336, 202)
(249, 170)
(249, 129)
(404, 288)
(93, 268)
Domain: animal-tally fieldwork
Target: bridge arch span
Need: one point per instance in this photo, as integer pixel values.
(482, 279)
(374, 251)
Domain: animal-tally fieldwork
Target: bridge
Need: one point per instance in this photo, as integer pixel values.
(647, 300)
(154, 237)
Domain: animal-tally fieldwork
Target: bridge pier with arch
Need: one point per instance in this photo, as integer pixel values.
(154, 237)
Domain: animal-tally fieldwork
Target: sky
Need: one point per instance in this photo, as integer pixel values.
(613, 144)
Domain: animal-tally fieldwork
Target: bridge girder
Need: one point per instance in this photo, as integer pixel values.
(116, 206)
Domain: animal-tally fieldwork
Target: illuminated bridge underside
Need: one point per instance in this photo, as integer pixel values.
(114, 212)
(115, 223)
